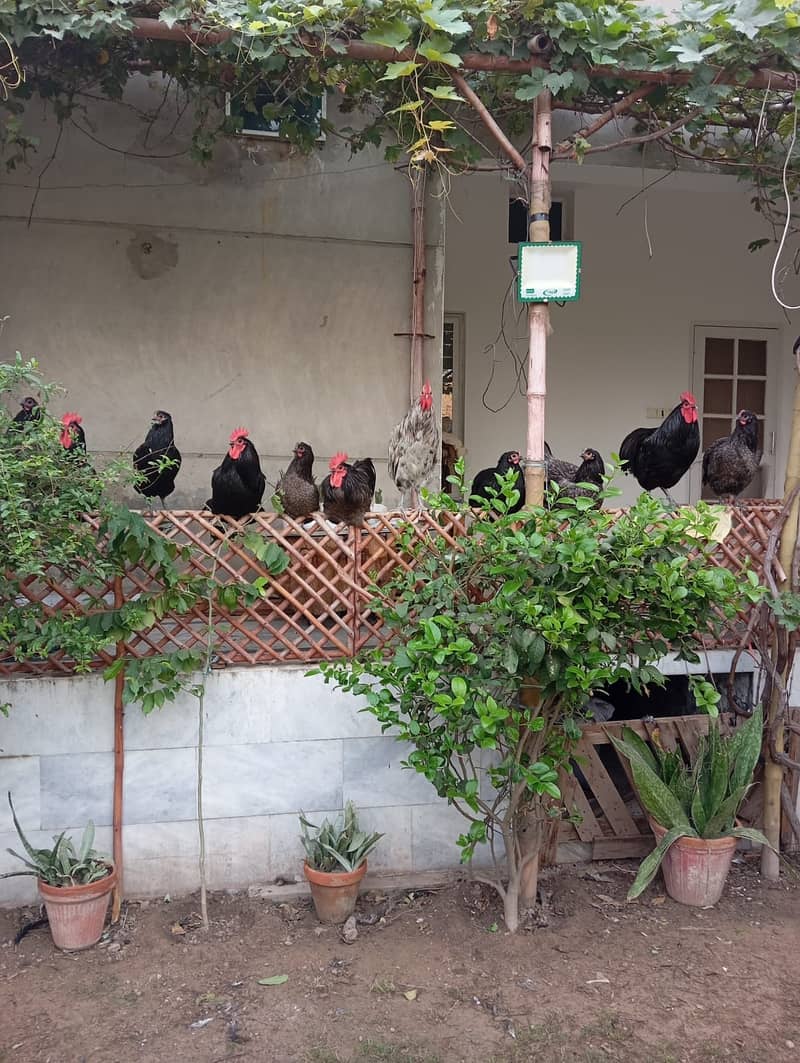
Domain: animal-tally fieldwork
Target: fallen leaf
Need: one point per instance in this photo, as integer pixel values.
(599, 980)
(604, 897)
(200, 1023)
(493, 928)
(274, 979)
(176, 928)
(410, 994)
(658, 900)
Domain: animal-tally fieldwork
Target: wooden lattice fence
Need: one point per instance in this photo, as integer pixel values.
(319, 608)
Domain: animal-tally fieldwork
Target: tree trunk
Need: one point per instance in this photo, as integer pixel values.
(511, 906)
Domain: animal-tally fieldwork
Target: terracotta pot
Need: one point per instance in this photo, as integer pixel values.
(334, 892)
(77, 914)
(695, 869)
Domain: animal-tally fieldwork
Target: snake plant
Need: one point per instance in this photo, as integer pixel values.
(339, 846)
(698, 800)
(62, 864)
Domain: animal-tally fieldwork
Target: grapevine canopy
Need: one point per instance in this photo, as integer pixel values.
(715, 81)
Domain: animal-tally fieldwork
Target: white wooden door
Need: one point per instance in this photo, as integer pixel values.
(734, 369)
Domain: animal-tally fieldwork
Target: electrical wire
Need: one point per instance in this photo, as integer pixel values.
(785, 180)
(491, 348)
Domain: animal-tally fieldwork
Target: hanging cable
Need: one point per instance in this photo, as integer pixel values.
(787, 195)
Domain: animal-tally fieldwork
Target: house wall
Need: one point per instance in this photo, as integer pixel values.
(626, 345)
(266, 289)
(275, 742)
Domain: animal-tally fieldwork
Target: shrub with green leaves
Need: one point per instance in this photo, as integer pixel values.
(63, 864)
(339, 846)
(500, 639)
(699, 800)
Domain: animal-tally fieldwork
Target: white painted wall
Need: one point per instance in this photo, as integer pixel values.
(627, 344)
(265, 290)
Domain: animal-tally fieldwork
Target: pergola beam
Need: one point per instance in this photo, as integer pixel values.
(154, 29)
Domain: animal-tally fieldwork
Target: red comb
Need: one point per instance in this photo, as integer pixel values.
(237, 433)
(71, 418)
(426, 387)
(687, 396)
(337, 460)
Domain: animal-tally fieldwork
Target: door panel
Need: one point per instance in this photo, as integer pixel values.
(734, 369)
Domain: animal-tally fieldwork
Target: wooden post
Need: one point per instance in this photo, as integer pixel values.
(538, 331)
(418, 177)
(538, 313)
(773, 773)
(119, 764)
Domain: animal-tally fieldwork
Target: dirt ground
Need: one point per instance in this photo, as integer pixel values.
(431, 977)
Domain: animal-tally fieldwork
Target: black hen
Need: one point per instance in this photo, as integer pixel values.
(486, 481)
(30, 410)
(73, 437)
(659, 457)
(348, 489)
(729, 464)
(237, 485)
(157, 460)
(572, 479)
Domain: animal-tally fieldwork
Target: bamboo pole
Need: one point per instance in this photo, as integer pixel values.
(538, 313)
(119, 764)
(773, 772)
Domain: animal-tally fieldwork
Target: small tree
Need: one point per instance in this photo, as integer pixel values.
(501, 640)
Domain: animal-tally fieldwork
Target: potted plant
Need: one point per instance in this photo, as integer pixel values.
(74, 884)
(336, 862)
(692, 808)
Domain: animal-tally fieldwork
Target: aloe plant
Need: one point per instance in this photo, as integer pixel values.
(338, 846)
(63, 864)
(698, 800)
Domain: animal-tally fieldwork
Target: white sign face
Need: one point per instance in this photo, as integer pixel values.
(549, 271)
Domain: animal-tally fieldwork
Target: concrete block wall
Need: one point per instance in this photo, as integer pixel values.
(276, 742)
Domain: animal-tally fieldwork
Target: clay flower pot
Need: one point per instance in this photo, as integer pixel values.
(77, 914)
(334, 892)
(695, 869)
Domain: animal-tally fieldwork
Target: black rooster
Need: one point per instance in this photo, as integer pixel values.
(572, 479)
(730, 463)
(486, 481)
(237, 485)
(348, 489)
(157, 460)
(296, 490)
(73, 437)
(659, 457)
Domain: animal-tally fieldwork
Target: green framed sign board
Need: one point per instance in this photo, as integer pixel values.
(548, 271)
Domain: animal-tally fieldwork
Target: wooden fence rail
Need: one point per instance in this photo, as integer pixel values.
(319, 608)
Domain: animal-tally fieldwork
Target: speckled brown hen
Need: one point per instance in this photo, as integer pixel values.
(414, 447)
(296, 490)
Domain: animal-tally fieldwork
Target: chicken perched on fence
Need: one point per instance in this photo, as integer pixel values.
(486, 486)
(237, 485)
(414, 447)
(297, 492)
(659, 457)
(572, 480)
(730, 463)
(72, 436)
(348, 489)
(157, 460)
